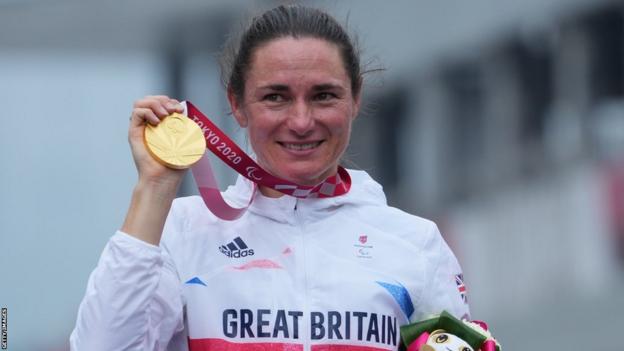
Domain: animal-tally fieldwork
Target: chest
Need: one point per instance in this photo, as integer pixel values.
(309, 286)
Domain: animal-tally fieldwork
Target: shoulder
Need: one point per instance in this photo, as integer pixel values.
(413, 230)
(369, 202)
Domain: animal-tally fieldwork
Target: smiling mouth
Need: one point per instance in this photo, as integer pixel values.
(301, 146)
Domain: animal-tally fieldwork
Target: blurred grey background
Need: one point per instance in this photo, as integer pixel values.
(501, 120)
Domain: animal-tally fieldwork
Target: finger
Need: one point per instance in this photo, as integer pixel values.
(174, 105)
(142, 115)
(158, 107)
(169, 103)
(145, 101)
(163, 98)
(161, 105)
(156, 102)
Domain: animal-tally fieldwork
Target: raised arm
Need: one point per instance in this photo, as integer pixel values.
(133, 299)
(157, 184)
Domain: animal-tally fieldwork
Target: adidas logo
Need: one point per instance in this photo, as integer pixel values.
(236, 249)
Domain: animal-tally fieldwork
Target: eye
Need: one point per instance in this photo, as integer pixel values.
(441, 339)
(324, 96)
(464, 348)
(273, 98)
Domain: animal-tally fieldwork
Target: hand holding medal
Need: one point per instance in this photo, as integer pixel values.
(147, 114)
(176, 142)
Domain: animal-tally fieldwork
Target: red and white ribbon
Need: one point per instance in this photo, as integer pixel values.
(224, 148)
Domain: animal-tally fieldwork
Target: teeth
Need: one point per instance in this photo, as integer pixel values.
(300, 147)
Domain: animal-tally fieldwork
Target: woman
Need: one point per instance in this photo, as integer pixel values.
(336, 273)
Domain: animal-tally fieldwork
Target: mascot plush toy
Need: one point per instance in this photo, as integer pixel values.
(447, 333)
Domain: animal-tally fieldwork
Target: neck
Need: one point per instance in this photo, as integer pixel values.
(269, 192)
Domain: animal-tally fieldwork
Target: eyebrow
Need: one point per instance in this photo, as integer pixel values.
(275, 87)
(319, 87)
(327, 86)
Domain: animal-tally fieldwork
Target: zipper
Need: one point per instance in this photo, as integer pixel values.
(304, 277)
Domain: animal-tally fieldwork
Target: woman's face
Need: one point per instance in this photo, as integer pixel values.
(298, 108)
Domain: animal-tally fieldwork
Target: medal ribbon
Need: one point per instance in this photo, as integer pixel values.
(224, 148)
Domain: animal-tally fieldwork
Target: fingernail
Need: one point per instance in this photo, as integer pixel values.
(173, 106)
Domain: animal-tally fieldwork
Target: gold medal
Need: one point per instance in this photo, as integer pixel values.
(176, 142)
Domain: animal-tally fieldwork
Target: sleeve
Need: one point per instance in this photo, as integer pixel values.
(133, 299)
(445, 288)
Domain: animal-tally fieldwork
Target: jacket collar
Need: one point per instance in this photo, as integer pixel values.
(287, 209)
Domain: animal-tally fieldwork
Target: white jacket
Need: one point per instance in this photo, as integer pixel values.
(340, 273)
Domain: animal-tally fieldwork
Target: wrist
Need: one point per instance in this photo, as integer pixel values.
(148, 210)
(162, 187)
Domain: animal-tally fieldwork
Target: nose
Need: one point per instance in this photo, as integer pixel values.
(301, 119)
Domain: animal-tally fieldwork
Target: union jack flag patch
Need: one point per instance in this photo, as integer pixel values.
(459, 280)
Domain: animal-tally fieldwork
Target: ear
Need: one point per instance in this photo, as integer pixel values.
(237, 110)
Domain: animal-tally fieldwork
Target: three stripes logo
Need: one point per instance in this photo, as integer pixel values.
(236, 249)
